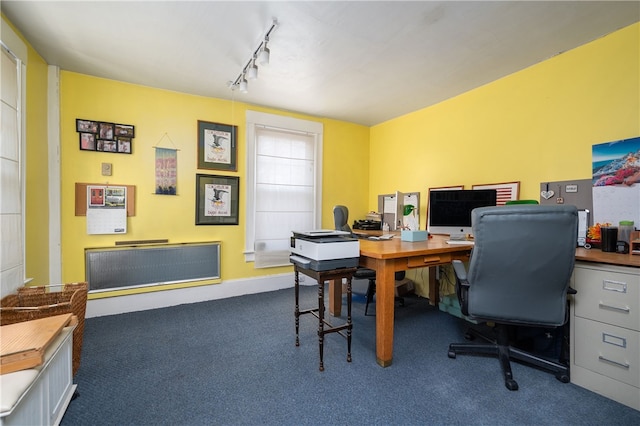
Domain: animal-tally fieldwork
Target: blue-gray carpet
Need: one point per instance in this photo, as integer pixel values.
(234, 362)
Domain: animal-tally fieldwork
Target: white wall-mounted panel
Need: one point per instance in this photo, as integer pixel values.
(10, 195)
(11, 246)
(9, 148)
(8, 278)
(9, 80)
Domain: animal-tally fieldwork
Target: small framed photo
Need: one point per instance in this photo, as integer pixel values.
(124, 144)
(124, 130)
(88, 141)
(217, 199)
(217, 148)
(106, 145)
(86, 126)
(96, 196)
(506, 191)
(105, 130)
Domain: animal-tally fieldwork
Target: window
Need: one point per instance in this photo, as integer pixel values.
(12, 265)
(284, 184)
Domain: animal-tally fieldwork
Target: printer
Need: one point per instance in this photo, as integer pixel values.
(324, 249)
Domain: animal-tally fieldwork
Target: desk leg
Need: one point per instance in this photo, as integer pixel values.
(434, 286)
(385, 296)
(335, 297)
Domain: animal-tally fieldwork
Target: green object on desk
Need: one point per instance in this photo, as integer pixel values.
(521, 202)
(408, 209)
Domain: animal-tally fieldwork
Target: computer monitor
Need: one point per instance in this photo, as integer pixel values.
(449, 211)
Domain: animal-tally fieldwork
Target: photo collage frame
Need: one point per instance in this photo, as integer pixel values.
(105, 137)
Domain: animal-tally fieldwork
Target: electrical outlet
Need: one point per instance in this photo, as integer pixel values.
(106, 169)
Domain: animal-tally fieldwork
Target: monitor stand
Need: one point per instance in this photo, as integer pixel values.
(457, 237)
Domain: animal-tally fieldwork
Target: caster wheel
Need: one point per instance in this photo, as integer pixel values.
(348, 358)
(451, 354)
(511, 384)
(563, 378)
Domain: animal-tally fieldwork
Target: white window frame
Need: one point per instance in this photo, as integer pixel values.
(17, 49)
(279, 122)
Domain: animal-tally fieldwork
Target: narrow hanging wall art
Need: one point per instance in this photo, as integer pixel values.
(166, 171)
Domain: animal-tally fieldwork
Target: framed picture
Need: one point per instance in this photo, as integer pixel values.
(96, 198)
(88, 141)
(217, 148)
(123, 144)
(86, 126)
(124, 130)
(106, 145)
(217, 199)
(105, 130)
(506, 191)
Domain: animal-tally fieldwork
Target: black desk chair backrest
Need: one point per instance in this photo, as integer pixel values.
(521, 263)
(518, 274)
(341, 218)
(341, 223)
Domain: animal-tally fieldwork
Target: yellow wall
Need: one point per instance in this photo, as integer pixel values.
(534, 126)
(37, 215)
(155, 113)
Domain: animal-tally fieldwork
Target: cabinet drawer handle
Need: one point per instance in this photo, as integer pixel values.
(619, 364)
(615, 308)
(614, 286)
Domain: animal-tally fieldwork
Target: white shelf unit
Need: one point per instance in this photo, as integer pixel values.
(40, 396)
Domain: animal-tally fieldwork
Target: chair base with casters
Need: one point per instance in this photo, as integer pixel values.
(518, 278)
(501, 348)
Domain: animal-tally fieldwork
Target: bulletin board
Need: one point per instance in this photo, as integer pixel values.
(571, 192)
(81, 198)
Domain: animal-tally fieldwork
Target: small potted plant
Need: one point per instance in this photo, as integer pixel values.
(594, 234)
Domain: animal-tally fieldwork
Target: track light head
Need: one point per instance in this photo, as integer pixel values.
(243, 85)
(265, 53)
(252, 71)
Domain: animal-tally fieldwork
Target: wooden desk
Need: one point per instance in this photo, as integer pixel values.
(599, 256)
(387, 258)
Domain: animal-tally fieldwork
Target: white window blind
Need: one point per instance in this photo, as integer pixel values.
(283, 191)
(12, 265)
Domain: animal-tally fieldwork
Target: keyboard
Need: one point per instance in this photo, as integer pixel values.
(467, 242)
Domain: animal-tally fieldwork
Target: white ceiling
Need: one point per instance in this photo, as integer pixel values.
(358, 61)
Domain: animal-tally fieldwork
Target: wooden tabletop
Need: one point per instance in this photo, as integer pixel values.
(23, 344)
(396, 248)
(599, 256)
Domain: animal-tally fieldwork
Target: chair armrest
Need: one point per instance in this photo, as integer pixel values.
(462, 285)
(460, 270)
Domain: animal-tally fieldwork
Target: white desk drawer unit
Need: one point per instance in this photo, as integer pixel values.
(605, 331)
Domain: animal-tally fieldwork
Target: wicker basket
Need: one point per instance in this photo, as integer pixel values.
(32, 303)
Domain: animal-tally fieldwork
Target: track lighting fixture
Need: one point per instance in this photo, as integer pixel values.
(265, 53)
(261, 55)
(252, 71)
(243, 85)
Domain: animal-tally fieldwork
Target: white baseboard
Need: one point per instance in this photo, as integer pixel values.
(163, 299)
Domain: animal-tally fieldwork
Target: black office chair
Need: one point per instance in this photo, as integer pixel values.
(518, 275)
(341, 223)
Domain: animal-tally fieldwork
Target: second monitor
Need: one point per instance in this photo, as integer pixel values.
(449, 211)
